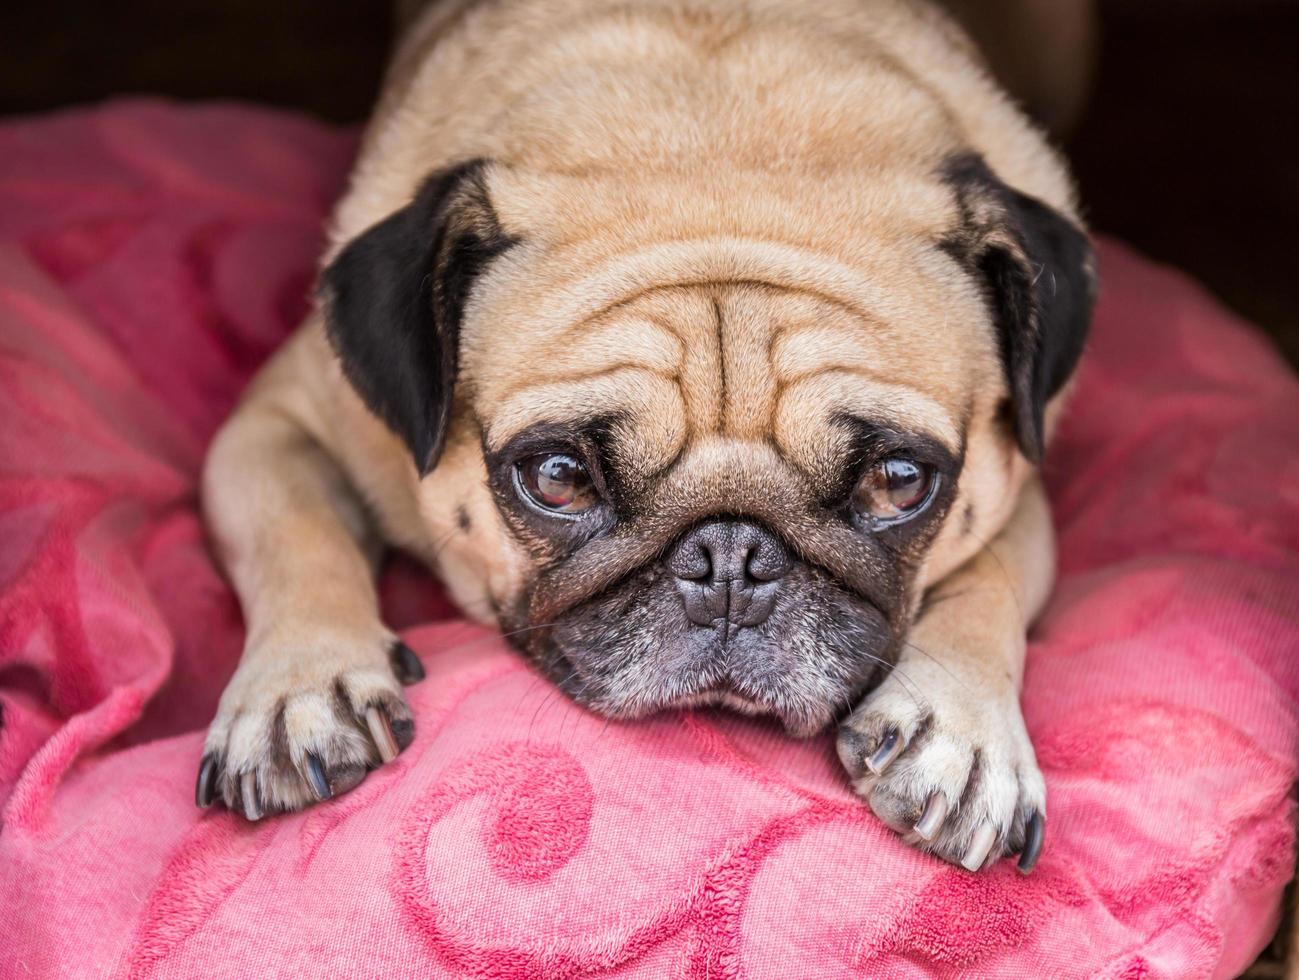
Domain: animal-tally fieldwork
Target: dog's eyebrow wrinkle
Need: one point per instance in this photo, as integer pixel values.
(668, 329)
(668, 466)
(686, 283)
(580, 376)
(869, 375)
(914, 408)
(723, 396)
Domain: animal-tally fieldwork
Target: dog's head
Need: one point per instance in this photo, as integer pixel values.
(682, 449)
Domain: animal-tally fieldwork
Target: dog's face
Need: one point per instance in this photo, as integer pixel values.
(695, 468)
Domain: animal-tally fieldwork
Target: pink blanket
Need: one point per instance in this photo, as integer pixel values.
(151, 256)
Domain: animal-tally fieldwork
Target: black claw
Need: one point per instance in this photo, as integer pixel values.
(1034, 830)
(205, 788)
(405, 664)
(316, 778)
(403, 730)
(346, 778)
(852, 751)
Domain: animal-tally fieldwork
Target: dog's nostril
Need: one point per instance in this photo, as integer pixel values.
(726, 551)
(766, 561)
(728, 571)
(693, 563)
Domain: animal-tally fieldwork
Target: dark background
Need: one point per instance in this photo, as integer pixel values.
(1189, 148)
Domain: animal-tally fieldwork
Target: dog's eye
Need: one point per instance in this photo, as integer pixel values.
(894, 489)
(558, 482)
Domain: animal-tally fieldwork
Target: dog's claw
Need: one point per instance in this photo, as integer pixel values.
(403, 730)
(980, 844)
(1034, 831)
(932, 819)
(381, 731)
(346, 778)
(405, 664)
(316, 780)
(286, 741)
(205, 788)
(248, 791)
(889, 749)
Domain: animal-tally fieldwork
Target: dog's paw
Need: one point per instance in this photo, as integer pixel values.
(954, 775)
(297, 727)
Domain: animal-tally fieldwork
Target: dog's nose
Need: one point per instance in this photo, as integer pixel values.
(728, 573)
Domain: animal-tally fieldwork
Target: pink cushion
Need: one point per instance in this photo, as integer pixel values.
(151, 256)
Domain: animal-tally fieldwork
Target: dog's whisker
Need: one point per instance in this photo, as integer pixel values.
(935, 599)
(1005, 575)
(608, 720)
(442, 544)
(938, 663)
(907, 682)
(557, 688)
(536, 678)
(492, 638)
(527, 629)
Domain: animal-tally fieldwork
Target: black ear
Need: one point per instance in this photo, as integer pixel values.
(1039, 271)
(394, 298)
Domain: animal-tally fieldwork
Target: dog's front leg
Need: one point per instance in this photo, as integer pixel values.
(939, 749)
(316, 701)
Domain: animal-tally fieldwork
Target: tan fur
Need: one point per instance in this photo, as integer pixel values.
(726, 211)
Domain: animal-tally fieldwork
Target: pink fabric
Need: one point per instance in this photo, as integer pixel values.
(151, 256)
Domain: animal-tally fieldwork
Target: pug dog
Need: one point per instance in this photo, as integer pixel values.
(708, 348)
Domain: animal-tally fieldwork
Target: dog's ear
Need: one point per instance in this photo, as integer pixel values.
(1039, 272)
(394, 297)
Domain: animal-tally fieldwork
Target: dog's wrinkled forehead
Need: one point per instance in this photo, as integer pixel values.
(692, 372)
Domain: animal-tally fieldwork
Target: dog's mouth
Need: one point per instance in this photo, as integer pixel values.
(722, 696)
(804, 701)
(769, 634)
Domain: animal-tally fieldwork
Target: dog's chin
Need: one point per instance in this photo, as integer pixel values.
(800, 726)
(801, 717)
(719, 698)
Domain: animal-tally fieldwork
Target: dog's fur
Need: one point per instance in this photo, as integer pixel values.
(728, 252)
